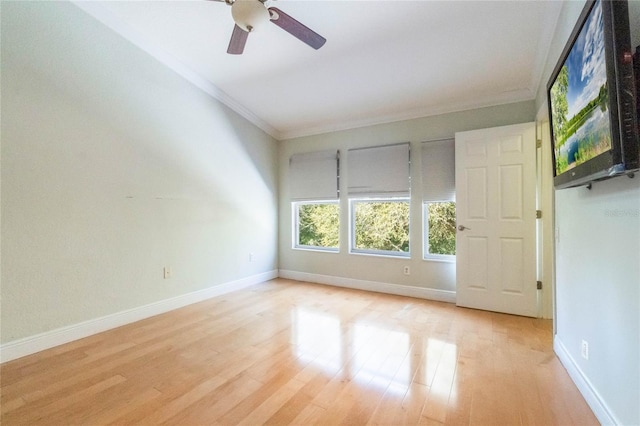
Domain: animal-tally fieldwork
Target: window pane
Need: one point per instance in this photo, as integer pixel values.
(382, 226)
(441, 228)
(318, 225)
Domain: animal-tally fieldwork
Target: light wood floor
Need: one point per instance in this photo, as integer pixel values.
(285, 352)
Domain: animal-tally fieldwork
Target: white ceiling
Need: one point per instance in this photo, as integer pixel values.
(383, 60)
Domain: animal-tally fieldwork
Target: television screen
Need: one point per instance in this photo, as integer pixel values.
(579, 99)
(592, 98)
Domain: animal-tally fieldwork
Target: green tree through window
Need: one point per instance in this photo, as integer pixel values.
(441, 228)
(381, 226)
(318, 225)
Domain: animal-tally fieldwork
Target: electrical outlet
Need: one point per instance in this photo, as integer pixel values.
(584, 349)
(250, 257)
(166, 272)
(407, 270)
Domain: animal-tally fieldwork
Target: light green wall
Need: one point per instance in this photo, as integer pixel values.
(113, 167)
(598, 268)
(424, 274)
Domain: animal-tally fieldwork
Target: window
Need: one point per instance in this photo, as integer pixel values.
(379, 188)
(438, 196)
(440, 229)
(380, 226)
(314, 192)
(317, 225)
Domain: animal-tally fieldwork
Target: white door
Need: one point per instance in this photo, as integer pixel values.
(496, 219)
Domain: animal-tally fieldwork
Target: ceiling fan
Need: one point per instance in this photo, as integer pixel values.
(250, 15)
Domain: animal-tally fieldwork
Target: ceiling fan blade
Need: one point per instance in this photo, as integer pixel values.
(296, 29)
(238, 40)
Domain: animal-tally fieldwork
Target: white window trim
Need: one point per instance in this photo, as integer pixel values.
(352, 228)
(295, 238)
(448, 258)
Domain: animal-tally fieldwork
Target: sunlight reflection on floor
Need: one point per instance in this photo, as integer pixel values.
(374, 357)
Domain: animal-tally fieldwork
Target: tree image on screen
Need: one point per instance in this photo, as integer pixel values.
(580, 92)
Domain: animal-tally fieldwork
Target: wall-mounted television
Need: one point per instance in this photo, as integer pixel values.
(592, 99)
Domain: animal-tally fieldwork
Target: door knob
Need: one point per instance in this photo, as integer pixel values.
(463, 228)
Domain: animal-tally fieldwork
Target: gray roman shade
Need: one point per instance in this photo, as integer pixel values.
(381, 171)
(439, 170)
(313, 176)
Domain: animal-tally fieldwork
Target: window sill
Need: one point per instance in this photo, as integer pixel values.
(317, 249)
(403, 256)
(440, 259)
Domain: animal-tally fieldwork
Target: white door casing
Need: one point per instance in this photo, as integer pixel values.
(496, 219)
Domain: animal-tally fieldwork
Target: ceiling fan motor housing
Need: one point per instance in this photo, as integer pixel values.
(249, 14)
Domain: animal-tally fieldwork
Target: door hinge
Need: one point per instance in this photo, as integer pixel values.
(539, 285)
(538, 143)
(538, 214)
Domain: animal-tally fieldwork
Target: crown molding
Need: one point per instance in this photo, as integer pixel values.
(103, 15)
(521, 95)
(545, 39)
(106, 17)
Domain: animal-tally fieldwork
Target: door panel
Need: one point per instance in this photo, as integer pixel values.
(495, 204)
(512, 254)
(511, 202)
(476, 265)
(477, 184)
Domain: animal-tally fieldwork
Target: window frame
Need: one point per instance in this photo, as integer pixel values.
(352, 228)
(426, 255)
(295, 211)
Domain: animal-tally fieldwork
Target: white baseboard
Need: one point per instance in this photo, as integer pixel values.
(39, 342)
(591, 396)
(380, 287)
